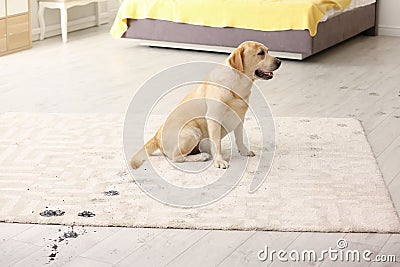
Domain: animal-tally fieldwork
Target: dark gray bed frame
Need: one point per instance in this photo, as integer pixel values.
(295, 44)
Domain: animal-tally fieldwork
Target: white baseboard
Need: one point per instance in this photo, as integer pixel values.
(74, 25)
(389, 31)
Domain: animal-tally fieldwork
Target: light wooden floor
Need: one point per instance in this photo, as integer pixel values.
(94, 73)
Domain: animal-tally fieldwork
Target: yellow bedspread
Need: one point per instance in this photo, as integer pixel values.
(264, 15)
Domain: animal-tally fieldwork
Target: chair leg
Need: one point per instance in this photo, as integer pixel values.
(98, 13)
(64, 23)
(42, 23)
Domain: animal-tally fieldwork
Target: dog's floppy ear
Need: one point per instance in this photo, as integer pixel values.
(236, 59)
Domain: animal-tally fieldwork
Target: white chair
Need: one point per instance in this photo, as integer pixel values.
(63, 5)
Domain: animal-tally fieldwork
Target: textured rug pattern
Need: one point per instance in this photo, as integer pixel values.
(324, 178)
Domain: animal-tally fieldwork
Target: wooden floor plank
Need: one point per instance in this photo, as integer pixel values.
(247, 253)
(39, 235)
(81, 261)
(386, 132)
(374, 115)
(163, 248)
(11, 251)
(367, 239)
(120, 244)
(389, 161)
(394, 189)
(211, 249)
(9, 230)
(65, 250)
(391, 248)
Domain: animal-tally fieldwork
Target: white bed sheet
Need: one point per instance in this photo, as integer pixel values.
(353, 5)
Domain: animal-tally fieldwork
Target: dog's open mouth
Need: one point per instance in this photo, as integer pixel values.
(266, 75)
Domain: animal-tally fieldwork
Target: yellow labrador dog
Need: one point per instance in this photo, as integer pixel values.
(193, 131)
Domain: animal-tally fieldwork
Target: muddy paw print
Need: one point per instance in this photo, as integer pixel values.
(86, 214)
(111, 193)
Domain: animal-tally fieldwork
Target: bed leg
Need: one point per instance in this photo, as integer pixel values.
(371, 31)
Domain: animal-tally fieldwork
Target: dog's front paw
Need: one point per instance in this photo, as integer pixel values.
(220, 163)
(247, 153)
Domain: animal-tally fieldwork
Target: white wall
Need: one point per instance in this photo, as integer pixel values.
(79, 17)
(389, 17)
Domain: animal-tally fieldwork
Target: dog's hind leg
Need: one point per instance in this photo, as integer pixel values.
(189, 139)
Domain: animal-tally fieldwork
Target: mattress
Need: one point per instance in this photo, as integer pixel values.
(353, 5)
(262, 15)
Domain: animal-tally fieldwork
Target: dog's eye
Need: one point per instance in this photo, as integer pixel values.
(261, 53)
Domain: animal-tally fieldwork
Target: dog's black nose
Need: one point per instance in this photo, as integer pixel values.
(278, 62)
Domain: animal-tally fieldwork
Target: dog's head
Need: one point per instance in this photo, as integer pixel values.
(252, 59)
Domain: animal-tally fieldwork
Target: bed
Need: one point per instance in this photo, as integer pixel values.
(293, 29)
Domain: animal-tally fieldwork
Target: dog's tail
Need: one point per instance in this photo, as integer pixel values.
(149, 148)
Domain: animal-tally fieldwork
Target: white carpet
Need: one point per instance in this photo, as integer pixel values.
(324, 178)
